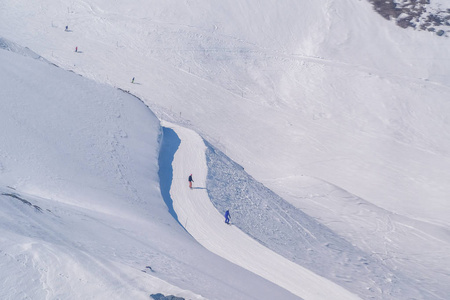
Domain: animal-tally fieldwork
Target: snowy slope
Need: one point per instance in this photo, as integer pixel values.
(81, 212)
(332, 77)
(342, 89)
(367, 265)
(197, 214)
(325, 102)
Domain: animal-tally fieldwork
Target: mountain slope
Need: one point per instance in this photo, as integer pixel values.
(81, 214)
(342, 89)
(326, 89)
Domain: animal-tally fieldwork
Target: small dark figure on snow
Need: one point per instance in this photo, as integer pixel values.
(190, 181)
(227, 217)
(132, 80)
(67, 28)
(76, 49)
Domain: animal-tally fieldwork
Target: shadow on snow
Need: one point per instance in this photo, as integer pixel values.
(169, 146)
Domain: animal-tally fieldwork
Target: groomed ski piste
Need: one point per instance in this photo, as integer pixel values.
(202, 220)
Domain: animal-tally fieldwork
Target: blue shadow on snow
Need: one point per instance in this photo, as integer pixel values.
(169, 146)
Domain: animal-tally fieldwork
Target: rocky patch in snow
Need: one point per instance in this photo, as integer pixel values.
(162, 297)
(17, 197)
(428, 15)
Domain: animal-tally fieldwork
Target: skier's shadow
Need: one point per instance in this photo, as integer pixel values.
(198, 188)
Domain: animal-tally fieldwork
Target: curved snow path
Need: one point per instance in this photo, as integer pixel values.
(201, 219)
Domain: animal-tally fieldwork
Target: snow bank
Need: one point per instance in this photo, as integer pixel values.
(81, 213)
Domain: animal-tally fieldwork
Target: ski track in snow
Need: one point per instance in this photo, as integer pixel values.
(287, 230)
(200, 218)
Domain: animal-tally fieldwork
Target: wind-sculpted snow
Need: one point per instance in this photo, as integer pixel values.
(281, 227)
(13, 47)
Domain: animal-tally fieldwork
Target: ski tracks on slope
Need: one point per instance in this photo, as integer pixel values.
(200, 218)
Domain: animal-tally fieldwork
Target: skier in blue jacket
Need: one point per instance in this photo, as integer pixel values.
(190, 181)
(227, 217)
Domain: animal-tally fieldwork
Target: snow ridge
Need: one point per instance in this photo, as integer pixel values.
(8, 45)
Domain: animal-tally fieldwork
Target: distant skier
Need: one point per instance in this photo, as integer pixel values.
(132, 80)
(76, 49)
(67, 28)
(227, 217)
(190, 181)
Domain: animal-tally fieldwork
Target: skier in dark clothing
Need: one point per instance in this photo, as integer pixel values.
(190, 181)
(227, 217)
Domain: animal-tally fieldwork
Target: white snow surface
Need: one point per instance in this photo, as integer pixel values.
(199, 216)
(82, 215)
(341, 113)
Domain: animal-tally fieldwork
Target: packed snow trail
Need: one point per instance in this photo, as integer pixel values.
(200, 218)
